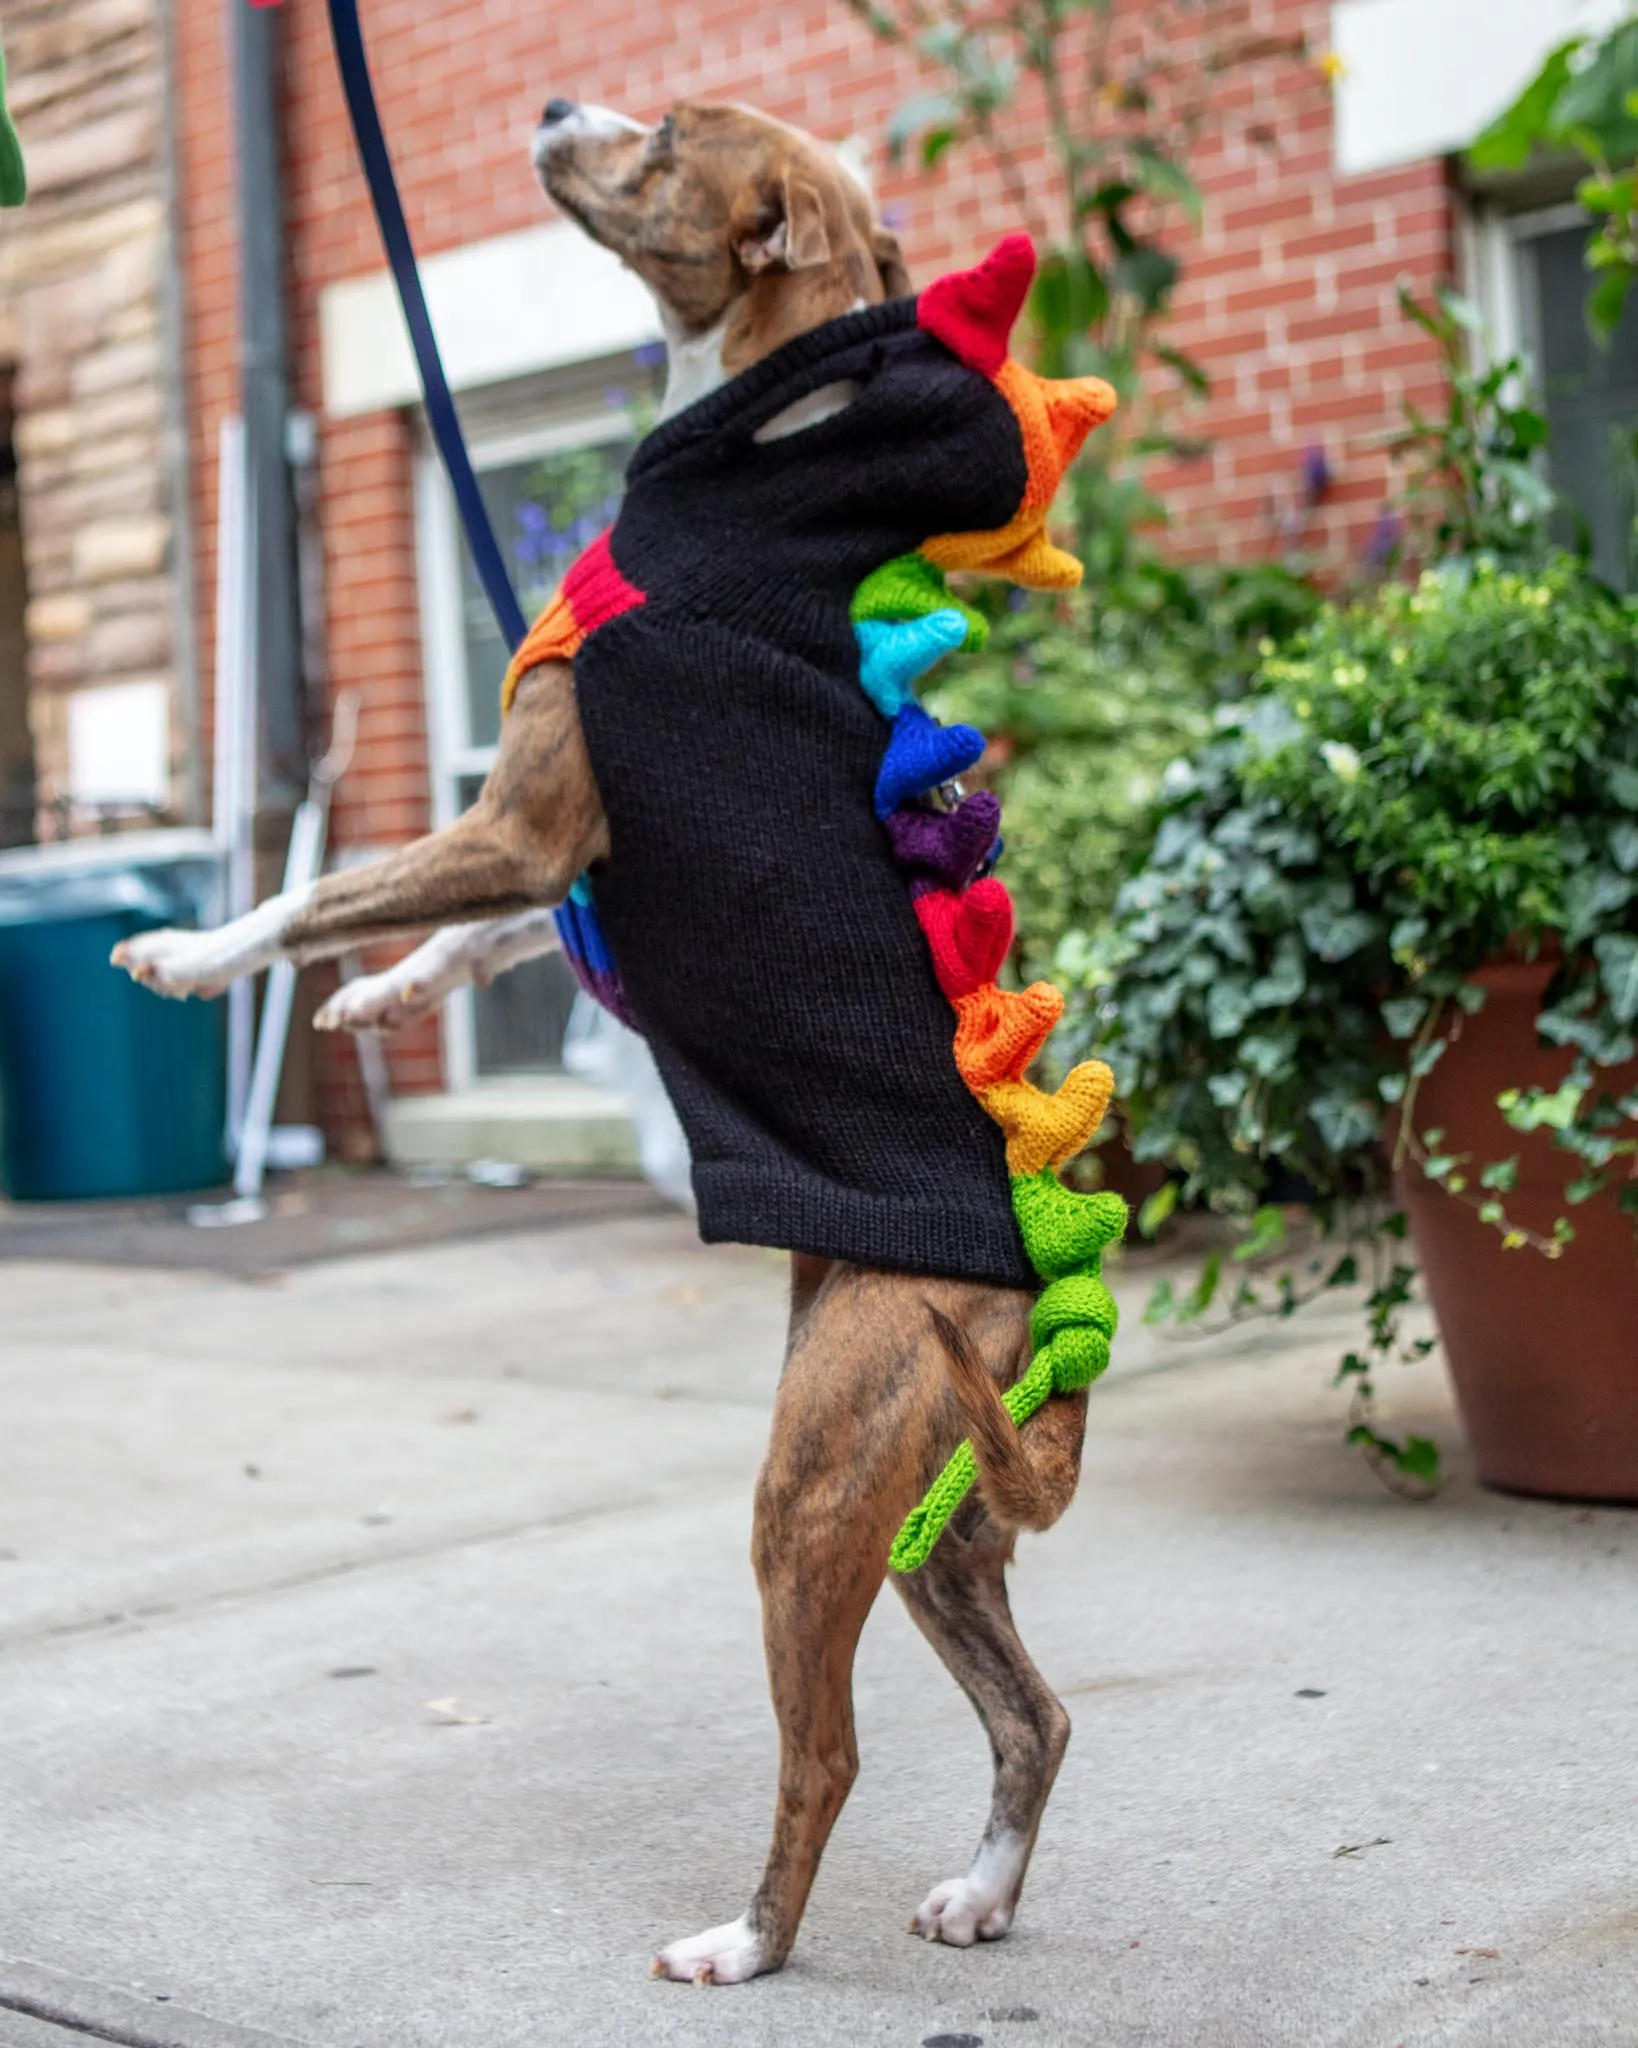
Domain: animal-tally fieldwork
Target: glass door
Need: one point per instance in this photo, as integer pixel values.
(550, 490)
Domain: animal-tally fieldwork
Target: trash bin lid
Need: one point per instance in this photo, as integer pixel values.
(171, 876)
(108, 851)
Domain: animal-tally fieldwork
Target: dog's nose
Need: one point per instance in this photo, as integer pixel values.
(554, 111)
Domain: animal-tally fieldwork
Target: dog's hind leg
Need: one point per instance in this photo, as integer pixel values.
(864, 1419)
(958, 1600)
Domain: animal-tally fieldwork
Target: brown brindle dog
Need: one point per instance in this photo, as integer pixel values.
(748, 234)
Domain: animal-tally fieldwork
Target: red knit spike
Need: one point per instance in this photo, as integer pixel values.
(972, 311)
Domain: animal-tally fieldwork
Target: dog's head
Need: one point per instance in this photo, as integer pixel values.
(741, 227)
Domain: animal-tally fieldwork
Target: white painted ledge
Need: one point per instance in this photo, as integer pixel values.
(550, 1123)
(502, 308)
(1420, 78)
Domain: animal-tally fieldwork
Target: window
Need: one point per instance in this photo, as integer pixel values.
(1528, 274)
(1590, 394)
(550, 466)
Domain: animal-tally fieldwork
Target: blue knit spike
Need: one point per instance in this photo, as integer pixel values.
(895, 652)
(921, 755)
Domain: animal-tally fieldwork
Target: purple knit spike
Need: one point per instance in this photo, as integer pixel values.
(950, 846)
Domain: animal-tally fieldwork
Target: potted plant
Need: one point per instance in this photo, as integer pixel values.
(1387, 938)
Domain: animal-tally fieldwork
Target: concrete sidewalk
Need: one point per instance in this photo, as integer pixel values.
(1346, 1773)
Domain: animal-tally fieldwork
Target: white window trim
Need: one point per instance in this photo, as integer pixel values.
(443, 649)
(1495, 250)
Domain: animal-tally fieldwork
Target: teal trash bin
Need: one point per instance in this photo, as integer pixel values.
(105, 1088)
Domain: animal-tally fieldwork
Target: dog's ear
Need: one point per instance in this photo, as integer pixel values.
(884, 246)
(781, 227)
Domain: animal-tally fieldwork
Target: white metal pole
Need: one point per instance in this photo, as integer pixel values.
(234, 809)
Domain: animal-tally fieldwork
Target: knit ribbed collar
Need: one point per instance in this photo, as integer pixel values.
(768, 386)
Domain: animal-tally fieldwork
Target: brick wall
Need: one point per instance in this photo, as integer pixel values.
(1288, 299)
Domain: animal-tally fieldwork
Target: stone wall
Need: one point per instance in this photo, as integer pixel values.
(87, 277)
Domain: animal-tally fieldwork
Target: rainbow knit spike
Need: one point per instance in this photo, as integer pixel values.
(905, 619)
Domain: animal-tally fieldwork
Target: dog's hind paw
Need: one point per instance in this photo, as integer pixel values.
(961, 1912)
(979, 1906)
(721, 1955)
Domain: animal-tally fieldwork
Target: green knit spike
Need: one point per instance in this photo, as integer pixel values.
(909, 587)
(13, 176)
(1078, 1356)
(1064, 1231)
(1079, 1298)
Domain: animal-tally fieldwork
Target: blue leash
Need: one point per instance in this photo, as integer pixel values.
(576, 919)
(446, 426)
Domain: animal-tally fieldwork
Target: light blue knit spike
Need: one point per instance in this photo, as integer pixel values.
(893, 653)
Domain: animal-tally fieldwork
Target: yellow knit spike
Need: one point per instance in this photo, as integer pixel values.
(1054, 415)
(1045, 1130)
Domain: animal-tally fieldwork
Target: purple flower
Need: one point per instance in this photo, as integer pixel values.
(1316, 475)
(650, 356)
(1382, 540)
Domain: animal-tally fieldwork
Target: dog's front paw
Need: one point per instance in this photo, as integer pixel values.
(962, 1911)
(379, 1002)
(721, 1955)
(174, 963)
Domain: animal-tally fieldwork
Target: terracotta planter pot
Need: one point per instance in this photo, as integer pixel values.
(1544, 1353)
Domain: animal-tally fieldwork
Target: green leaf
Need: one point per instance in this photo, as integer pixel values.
(1418, 1459)
(1624, 847)
(1156, 1208)
(934, 143)
(1508, 142)
(1607, 301)
(1187, 369)
(1344, 1273)
(1147, 274)
(1337, 935)
(1164, 178)
(1162, 1305)
(1502, 1174)
(1617, 956)
(1266, 1234)
(1201, 1296)
(1227, 1007)
(1402, 1014)
(1343, 1123)
(926, 110)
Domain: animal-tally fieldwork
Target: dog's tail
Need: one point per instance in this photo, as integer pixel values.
(1027, 1476)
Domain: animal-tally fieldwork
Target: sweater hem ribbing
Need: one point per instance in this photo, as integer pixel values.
(741, 1204)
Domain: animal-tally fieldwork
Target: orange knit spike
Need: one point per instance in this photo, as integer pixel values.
(999, 1031)
(1054, 418)
(1045, 1130)
(1074, 406)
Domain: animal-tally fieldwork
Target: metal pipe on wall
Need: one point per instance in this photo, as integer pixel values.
(265, 402)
